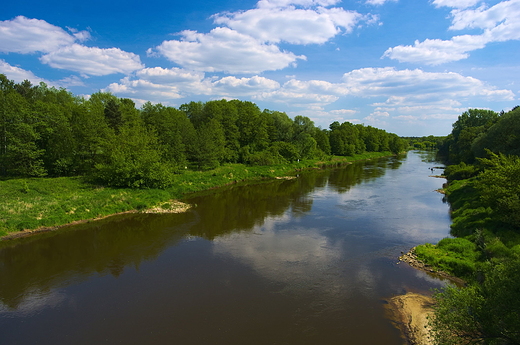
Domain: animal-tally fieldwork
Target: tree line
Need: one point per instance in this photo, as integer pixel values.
(45, 131)
(484, 191)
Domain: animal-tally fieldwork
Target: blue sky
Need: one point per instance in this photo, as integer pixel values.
(407, 66)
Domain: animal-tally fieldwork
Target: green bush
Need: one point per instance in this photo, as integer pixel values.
(461, 171)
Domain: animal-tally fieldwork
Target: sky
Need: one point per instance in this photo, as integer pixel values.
(410, 67)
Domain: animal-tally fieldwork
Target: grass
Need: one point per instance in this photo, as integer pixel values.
(457, 256)
(33, 203)
(481, 237)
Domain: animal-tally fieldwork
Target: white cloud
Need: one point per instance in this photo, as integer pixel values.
(18, 74)
(455, 3)
(71, 81)
(499, 23)
(290, 24)
(377, 118)
(417, 85)
(225, 50)
(92, 60)
(232, 86)
(24, 35)
(162, 85)
(435, 51)
(378, 2)
(316, 93)
(143, 89)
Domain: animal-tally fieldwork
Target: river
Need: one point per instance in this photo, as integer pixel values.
(310, 260)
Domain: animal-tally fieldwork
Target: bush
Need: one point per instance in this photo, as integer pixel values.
(461, 171)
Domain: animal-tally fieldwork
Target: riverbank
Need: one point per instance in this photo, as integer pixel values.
(32, 205)
(411, 313)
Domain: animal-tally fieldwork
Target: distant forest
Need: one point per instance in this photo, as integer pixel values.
(46, 131)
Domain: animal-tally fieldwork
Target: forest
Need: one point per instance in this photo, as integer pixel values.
(49, 132)
(483, 190)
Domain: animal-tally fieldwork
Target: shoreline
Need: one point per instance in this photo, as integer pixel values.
(410, 312)
(411, 259)
(171, 206)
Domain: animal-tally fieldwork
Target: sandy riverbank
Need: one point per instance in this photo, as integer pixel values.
(410, 314)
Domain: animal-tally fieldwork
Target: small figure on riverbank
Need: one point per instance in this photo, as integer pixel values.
(431, 169)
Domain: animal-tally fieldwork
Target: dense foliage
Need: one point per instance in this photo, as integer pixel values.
(50, 132)
(484, 193)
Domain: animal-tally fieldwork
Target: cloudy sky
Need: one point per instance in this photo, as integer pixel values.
(407, 66)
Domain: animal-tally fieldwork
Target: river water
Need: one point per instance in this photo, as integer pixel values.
(304, 261)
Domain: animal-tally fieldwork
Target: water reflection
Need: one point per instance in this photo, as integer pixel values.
(35, 265)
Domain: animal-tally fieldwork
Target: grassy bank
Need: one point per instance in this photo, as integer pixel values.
(480, 237)
(32, 203)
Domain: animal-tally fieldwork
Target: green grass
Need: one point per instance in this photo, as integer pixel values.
(32, 203)
(457, 256)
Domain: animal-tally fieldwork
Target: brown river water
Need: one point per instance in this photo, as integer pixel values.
(310, 260)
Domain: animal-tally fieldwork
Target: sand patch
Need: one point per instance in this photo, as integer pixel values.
(410, 314)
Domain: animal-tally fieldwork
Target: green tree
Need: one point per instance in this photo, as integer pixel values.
(482, 313)
(208, 149)
(502, 137)
(499, 186)
(174, 130)
(132, 159)
(20, 154)
(469, 125)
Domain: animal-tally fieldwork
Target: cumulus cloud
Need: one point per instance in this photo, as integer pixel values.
(377, 118)
(225, 50)
(315, 93)
(139, 89)
(24, 35)
(407, 85)
(499, 23)
(291, 24)
(18, 74)
(92, 60)
(170, 75)
(162, 85)
(435, 51)
(232, 86)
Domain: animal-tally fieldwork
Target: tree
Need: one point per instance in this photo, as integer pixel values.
(499, 185)
(482, 313)
(502, 137)
(466, 129)
(132, 159)
(173, 130)
(208, 149)
(20, 154)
